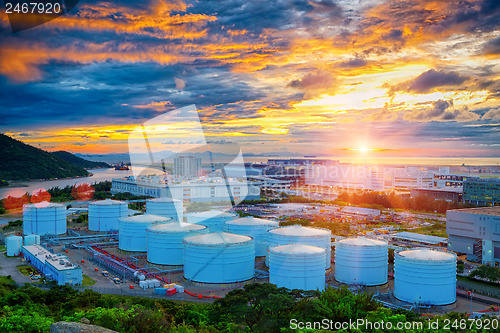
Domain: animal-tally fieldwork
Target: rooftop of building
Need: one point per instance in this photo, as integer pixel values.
(58, 261)
(427, 239)
(492, 211)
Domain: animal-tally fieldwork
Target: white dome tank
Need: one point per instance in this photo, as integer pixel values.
(31, 239)
(14, 245)
(425, 276)
(165, 207)
(104, 214)
(361, 261)
(213, 219)
(252, 227)
(132, 234)
(297, 266)
(165, 246)
(44, 218)
(297, 234)
(219, 258)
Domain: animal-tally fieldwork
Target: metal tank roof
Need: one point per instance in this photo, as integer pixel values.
(44, 204)
(362, 241)
(175, 227)
(298, 230)
(297, 249)
(217, 238)
(427, 254)
(107, 202)
(145, 218)
(249, 220)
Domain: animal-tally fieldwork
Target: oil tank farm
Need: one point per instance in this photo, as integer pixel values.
(104, 214)
(297, 266)
(165, 246)
(14, 245)
(166, 207)
(361, 261)
(31, 240)
(252, 227)
(132, 234)
(425, 276)
(219, 258)
(297, 234)
(213, 219)
(45, 218)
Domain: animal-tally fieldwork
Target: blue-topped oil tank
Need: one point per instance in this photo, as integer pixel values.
(297, 234)
(132, 234)
(14, 245)
(166, 207)
(104, 214)
(219, 258)
(425, 276)
(213, 219)
(165, 241)
(361, 261)
(252, 227)
(44, 218)
(297, 266)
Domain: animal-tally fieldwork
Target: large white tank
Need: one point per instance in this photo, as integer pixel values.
(219, 258)
(104, 214)
(425, 276)
(361, 261)
(132, 234)
(297, 266)
(297, 234)
(165, 246)
(31, 239)
(213, 219)
(252, 227)
(14, 244)
(166, 207)
(44, 218)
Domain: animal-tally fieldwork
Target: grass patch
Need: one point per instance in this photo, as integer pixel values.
(6, 279)
(3, 248)
(25, 270)
(87, 281)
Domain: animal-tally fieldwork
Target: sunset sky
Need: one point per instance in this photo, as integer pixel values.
(390, 78)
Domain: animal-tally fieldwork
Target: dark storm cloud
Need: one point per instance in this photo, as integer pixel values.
(353, 63)
(428, 81)
(492, 46)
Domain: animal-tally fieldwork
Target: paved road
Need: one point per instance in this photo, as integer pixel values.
(9, 268)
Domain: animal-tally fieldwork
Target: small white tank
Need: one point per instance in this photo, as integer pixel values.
(361, 261)
(104, 214)
(297, 234)
(425, 276)
(166, 207)
(14, 245)
(297, 266)
(252, 227)
(31, 239)
(132, 235)
(44, 218)
(213, 219)
(165, 246)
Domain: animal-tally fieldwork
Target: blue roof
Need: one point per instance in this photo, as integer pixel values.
(427, 239)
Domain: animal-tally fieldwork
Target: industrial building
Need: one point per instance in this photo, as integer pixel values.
(187, 166)
(44, 218)
(482, 191)
(55, 267)
(420, 238)
(475, 232)
(360, 211)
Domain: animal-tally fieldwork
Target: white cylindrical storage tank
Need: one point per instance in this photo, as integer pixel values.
(104, 214)
(219, 258)
(425, 276)
(252, 227)
(165, 246)
(297, 266)
(14, 244)
(44, 218)
(31, 240)
(165, 207)
(297, 234)
(361, 261)
(213, 219)
(132, 234)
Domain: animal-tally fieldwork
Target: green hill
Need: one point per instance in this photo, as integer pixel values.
(83, 163)
(20, 161)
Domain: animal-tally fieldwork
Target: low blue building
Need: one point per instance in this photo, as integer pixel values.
(55, 267)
